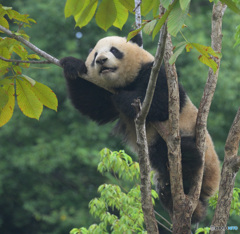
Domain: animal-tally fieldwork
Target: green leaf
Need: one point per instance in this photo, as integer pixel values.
(202, 230)
(73, 7)
(189, 47)
(6, 81)
(165, 3)
(122, 15)
(154, 194)
(17, 69)
(106, 14)
(149, 27)
(7, 110)
(160, 24)
(206, 50)
(156, 8)
(129, 4)
(146, 6)
(4, 66)
(134, 33)
(3, 98)
(27, 100)
(232, 5)
(184, 4)
(4, 23)
(176, 19)
(162, 20)
(209, 62)
(33, 56)
(76, 231)
(206, 53)
(20, 51)
(45, 95)
(86, 15)
(30, 80)
(179, 49)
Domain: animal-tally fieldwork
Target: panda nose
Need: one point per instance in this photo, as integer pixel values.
(101, 60)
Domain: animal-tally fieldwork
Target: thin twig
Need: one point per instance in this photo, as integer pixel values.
(138, 5)
(161, 217)
(164, 226)
(154, 73)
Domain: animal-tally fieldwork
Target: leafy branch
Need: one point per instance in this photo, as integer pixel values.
(31, 46)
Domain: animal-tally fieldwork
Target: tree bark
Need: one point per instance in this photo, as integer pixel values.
(138, 17)
(182, 209)
(140, 123)
(230, 168)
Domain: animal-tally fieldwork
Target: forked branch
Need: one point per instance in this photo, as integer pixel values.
(201, 125)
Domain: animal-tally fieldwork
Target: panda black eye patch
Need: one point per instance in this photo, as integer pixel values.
(95, 55)
(118, 54)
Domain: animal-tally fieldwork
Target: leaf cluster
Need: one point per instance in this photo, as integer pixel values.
(204, 230)
(207, 54)
(120, 163)
(31, 95)
(16, 17)
(107, 12)
(235, 204)
(119, 211)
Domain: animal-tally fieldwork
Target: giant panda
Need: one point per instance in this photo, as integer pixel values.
(125, 68)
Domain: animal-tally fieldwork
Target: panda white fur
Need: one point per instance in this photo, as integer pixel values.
(125, 67)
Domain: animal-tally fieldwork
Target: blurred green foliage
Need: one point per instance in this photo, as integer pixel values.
(48, 169)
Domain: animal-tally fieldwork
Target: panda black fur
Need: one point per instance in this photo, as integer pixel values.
(125, 68)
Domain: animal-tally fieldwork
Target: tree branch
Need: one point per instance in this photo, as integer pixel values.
(143, 154)
(230, 168)
(154, 73)
(201, 129)
(232, 143)
(24, 61)
(181, 217)
(31, 46)
(138, 18)
(142, 140)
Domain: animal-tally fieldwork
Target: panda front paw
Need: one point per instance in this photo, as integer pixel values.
(72, 67)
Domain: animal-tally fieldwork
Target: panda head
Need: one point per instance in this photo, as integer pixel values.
(115, 63)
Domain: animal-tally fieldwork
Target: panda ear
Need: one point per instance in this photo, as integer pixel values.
(137, 39)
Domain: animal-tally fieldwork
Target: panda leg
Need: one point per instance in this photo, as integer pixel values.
(158, 154)
(191, 163)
